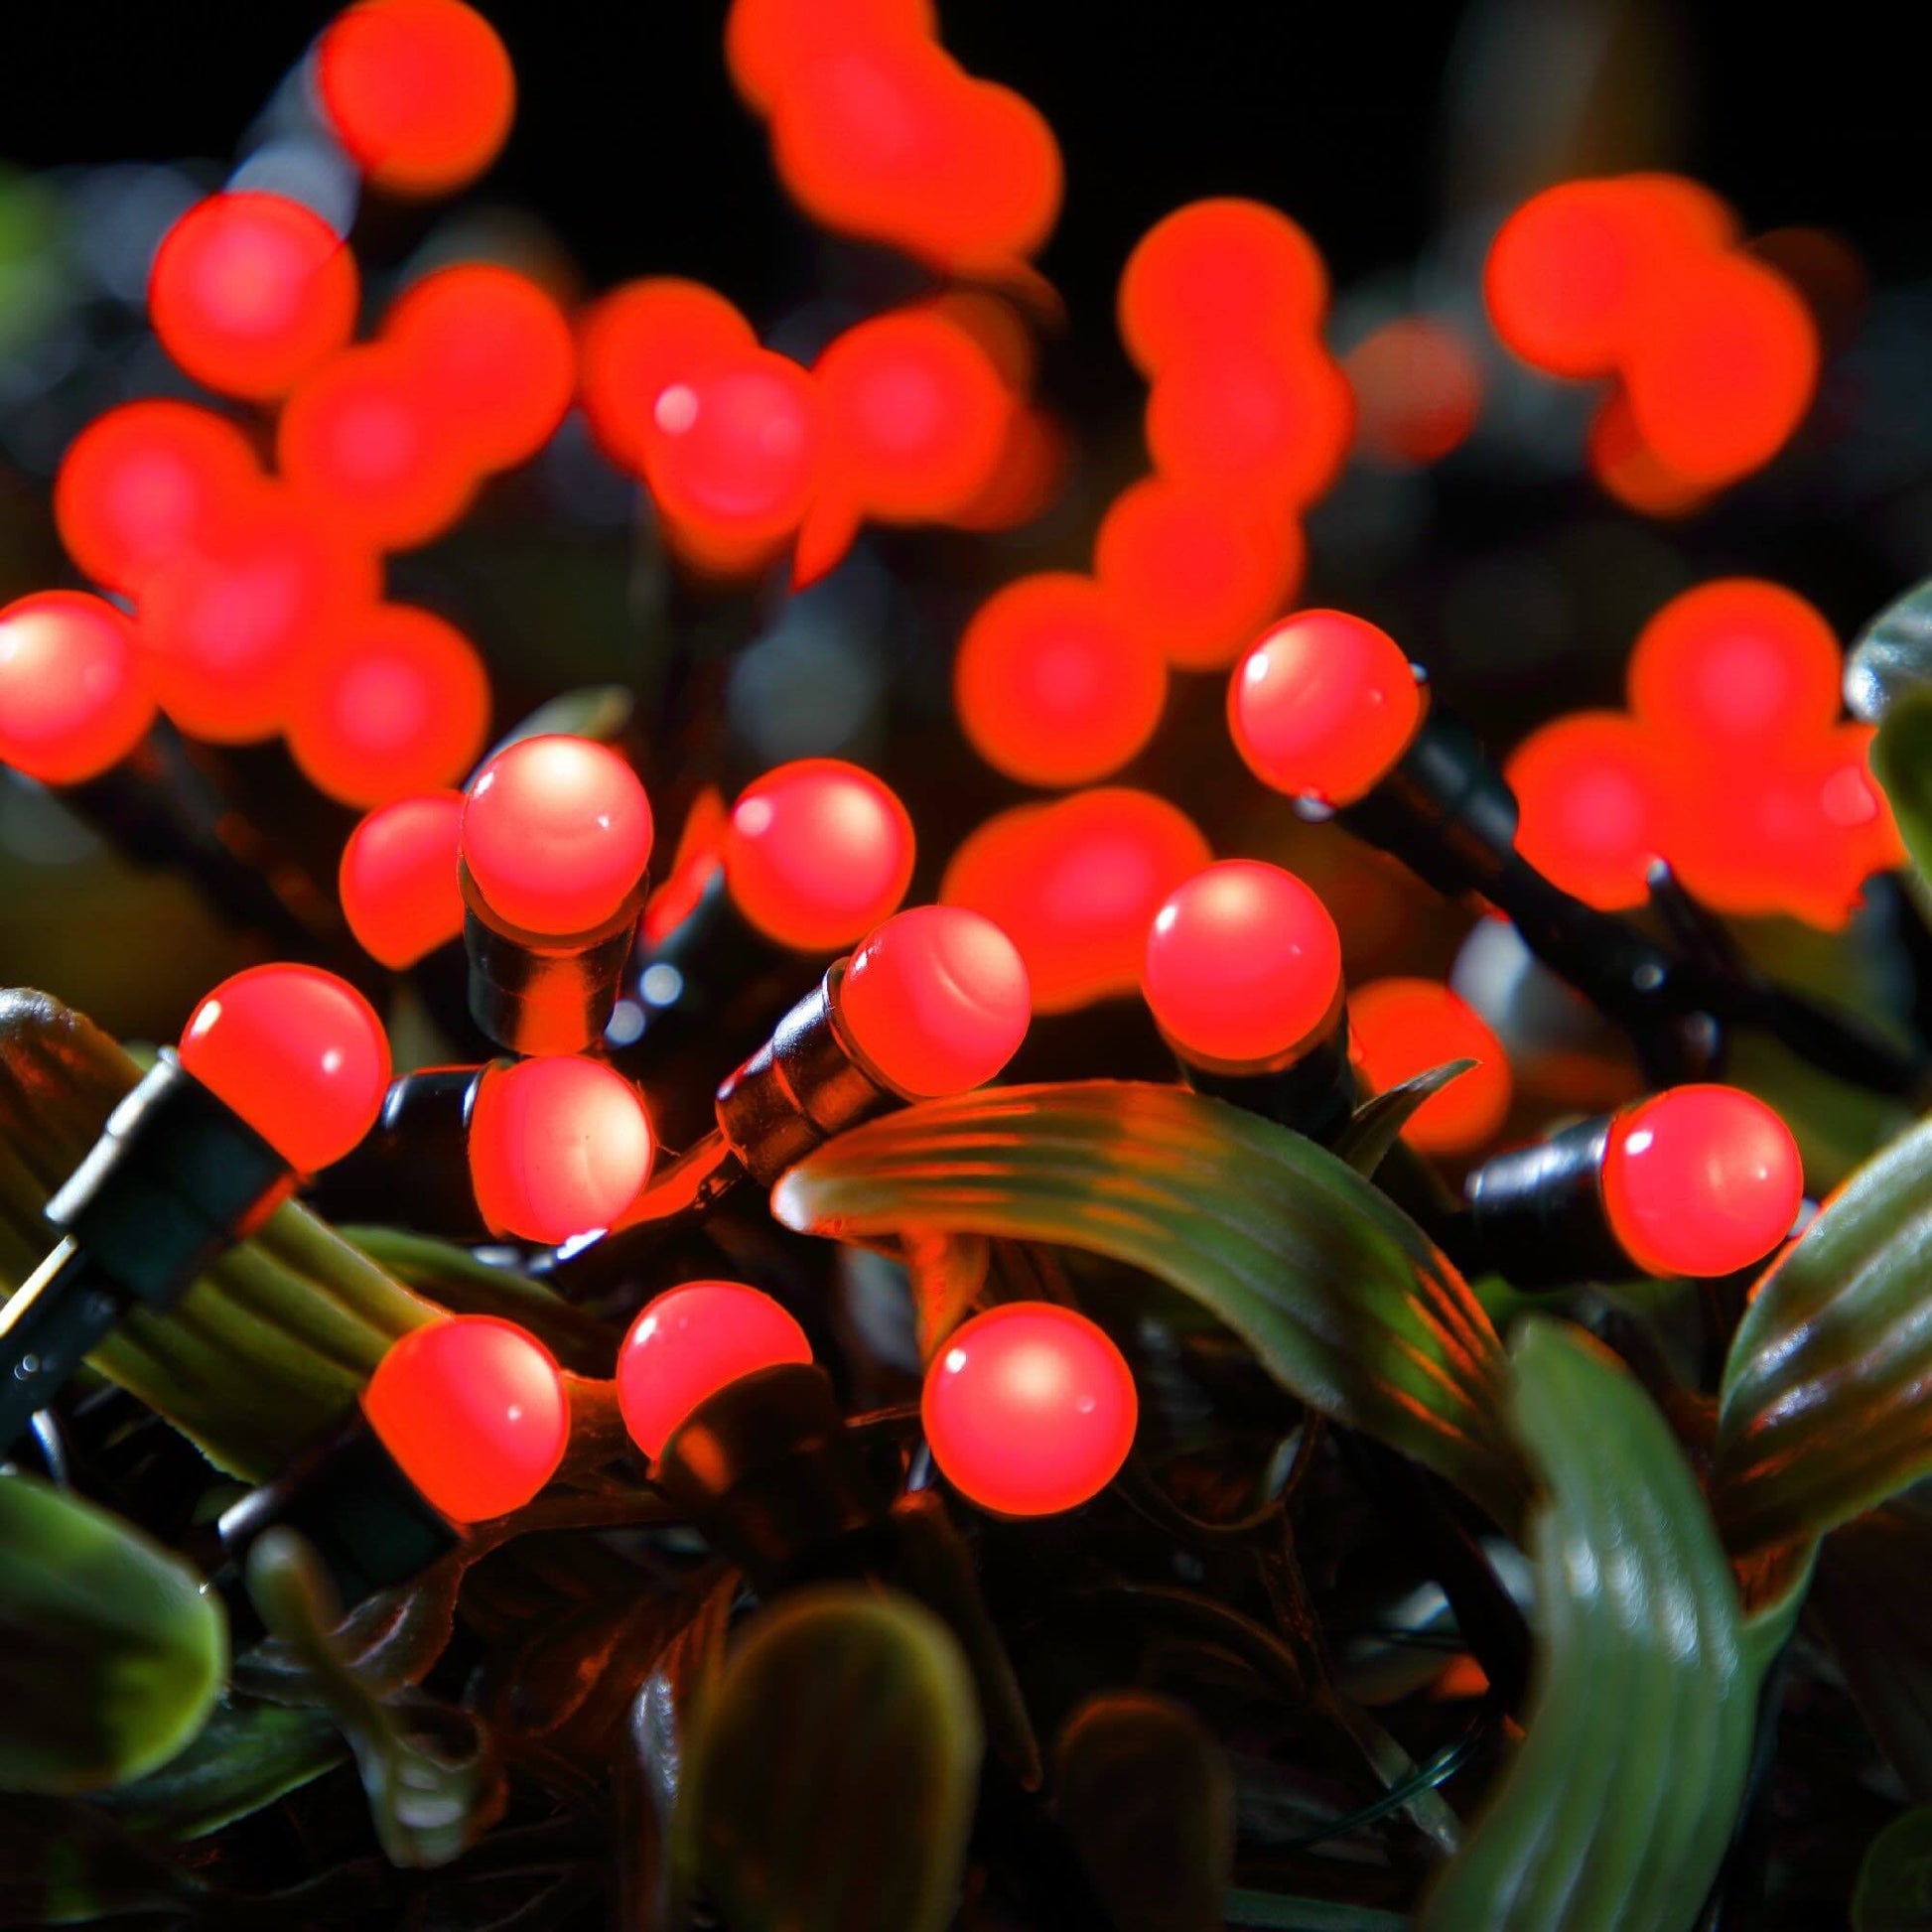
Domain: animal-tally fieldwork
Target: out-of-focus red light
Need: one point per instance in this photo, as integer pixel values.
(1701, 1180)
(1055, 683)
(144, 481)
(1629, 471)
(556, 834)
(1418, 390)
(1596, 799)
(766, 42)
(251, 291)
(1400, 1028)
(1243, 966)
(1201, 572)
(1322, 706)
(72, 697)
(698, 858)
(475, 1412)
(397, 879)
(817, 853)
(298, 1053)
(420, 92)
(935, 1001)
(1027, 480)
(1220, 274)
(400, 703)
(558, 1148)
(1029, 1410)
(692, 1342)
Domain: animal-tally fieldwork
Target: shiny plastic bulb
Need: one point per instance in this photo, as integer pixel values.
(1243, 966)
(398, 879)
(1596, 806)
(1029, 1410)
(1701, 1180)
(298, 1053)
(475, 1411)
(690, 1343)
(1400, 1028)
(72, 697)
(556, 834)
(558, 1148)
(1324, 706)
(816, 853)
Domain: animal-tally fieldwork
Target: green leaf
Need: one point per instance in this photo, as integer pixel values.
(1902, 761)
(111, 1652)
(1617, 1809)
(1341, 1294)
(600, 711)
(1377, 1124)
(1894, 1889)
(63, 1863)
(1273, 1912)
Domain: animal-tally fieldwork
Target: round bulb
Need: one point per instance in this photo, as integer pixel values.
(298, 1053)
(72, 697)
(817, 852)
(691, 1342)
(1630, 472)
(475, 1412)
(398, 880)
(1701, 1180)
(935, 1001)
(1243, 966)
(558, 1148)
(1418, 391)
(1403, 1026)
(556, 834)
(251, 291)
(1029, 1408)
(1596, 806)
(1322, 706)
(768, 40)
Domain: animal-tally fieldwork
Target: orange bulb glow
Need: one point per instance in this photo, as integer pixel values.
(1029, 1410)
(817, 853)
(1701, 1180)
(768, 42)
(420, 92)
(475, 1412)
(1630, 472)
(692, 1342)
(1596, 799)
(1055, 683)
(250, 292)
(1418, 391)
(1243, 967)
(143, 482)
(298, 1053)
(1026, 481)
(397, 879)
(399, 704)
(1403, 1026)
(72, 697)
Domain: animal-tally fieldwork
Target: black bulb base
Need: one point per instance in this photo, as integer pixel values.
(1537, 1214)
(1313, 1094)
(412, 1168)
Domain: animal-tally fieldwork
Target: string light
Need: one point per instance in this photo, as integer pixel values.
(1417, 389)
(398, 879)
(1405, 1026)
(72, 698)
(1596, 806)
(768, 40)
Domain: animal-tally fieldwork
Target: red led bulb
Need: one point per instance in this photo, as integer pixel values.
(1596, 806)
(1243, 966)
(1029, 1410)
(475, 1412)
(72, 697)
(692, 1342)
(935, 1001)
(768, 40)
(817, 852)
(1701, 1180)
(298, 1053)
(1400, 1028)
(556, 834)
(558, 1148)
(398, 879)
(1418, 391)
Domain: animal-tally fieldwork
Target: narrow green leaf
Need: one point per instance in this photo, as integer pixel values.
(1377, 1124)
(1902, 761)
(1267, 1911)
(600, 711)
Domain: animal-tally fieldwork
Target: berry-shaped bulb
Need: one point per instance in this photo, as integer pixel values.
(73, 699)
(1595, 799)
(1029, 1410)
(556, 834)
(398, 879)
(690, 1343)
(475, 1412)
(298, 1053)
(1401, 1027)
(1701, 1180)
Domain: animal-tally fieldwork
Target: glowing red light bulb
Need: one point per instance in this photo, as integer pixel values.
(298, 1053)
(690, 1343)
(1630, 472)
(768, 40)
(935, 1001)
(1243, 966)
(1324, 705)
(1701, 1180)
(558, 1148)
(1400, 1028)
(556, 834)
(475, 1412)
(400, 704)
(142, 482)
(1418, 390)
(1596, 806)
(420, 92)
(251, 291)
(72, 698)
(817, 853)
(398, 880)
(1029, 1408)
(1055, 683)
